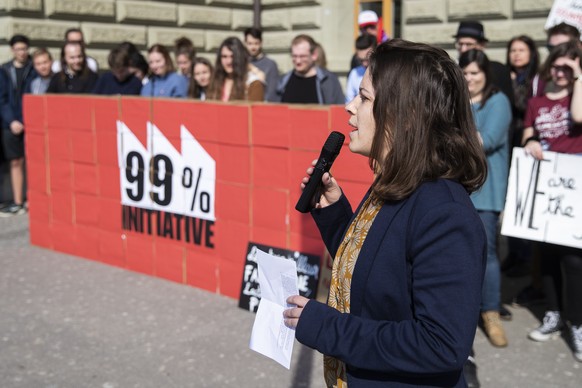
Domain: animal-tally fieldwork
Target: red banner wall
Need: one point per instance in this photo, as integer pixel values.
(261, 153)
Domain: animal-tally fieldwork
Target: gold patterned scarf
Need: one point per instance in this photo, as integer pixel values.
(334, 370)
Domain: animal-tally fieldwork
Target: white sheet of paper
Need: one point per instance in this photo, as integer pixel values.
(277, 281)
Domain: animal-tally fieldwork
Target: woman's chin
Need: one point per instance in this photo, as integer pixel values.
(354, 148)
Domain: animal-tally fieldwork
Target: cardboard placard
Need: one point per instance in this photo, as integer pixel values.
(176, 188)
(543, 198)
(567, 11)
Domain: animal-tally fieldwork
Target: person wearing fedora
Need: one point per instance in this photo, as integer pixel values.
(471, 35)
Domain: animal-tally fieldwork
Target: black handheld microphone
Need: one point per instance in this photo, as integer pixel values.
(329, 152)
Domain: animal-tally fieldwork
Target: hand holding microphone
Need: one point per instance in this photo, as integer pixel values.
(319, 188)
(328, 192)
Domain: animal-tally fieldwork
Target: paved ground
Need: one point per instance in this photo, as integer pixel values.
(69, 322)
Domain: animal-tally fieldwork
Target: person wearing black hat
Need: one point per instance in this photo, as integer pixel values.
(471, 35)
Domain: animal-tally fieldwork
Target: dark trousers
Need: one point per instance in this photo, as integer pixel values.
(561, 270)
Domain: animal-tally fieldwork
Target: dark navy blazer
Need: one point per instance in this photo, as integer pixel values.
(415, 292)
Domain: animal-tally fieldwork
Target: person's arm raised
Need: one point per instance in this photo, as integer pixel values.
(576, 104)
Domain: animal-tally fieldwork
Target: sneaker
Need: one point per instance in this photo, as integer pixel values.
(527, 297)
(576, 332)
(551, 325)
(494, 328)
(470, 373)
(12, 210)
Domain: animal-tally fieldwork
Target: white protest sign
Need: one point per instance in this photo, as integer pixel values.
(544, 198)
(567, 11)
(278, 281)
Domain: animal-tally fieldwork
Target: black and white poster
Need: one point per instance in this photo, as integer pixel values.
(544, 198)
(308, 267)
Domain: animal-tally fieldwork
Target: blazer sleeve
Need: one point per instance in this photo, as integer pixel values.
(332, 222)
(447, 256)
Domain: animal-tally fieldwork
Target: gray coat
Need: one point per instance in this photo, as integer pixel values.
(329, 90)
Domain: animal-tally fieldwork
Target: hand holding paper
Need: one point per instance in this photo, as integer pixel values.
(278, 281)
(292, 315)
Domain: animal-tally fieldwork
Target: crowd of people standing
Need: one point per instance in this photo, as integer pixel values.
(539, 108)
(520, 103)
(240, 72)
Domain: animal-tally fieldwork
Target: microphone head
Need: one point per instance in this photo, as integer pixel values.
(334, 143)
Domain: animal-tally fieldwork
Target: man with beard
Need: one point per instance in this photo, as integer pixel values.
(76, 35)
(307, 83)
(75, 76)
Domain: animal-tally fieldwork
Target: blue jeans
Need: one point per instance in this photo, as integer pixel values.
(491, 298)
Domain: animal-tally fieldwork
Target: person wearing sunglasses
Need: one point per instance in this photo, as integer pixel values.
(553, 122)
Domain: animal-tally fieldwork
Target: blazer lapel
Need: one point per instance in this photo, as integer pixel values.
(368, 253)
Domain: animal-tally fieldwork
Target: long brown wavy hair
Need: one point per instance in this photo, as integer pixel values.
(482, 62)
(85, 70)
(195, 90)
(424, 125)
(568, 49)
(240, 65)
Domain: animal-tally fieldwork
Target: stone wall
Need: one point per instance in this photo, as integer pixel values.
(206, 22)
(435, 21)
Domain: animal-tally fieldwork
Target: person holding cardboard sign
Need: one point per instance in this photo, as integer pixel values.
(554, 123)
(409, 263)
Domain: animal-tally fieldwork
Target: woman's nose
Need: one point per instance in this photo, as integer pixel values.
(351, 106)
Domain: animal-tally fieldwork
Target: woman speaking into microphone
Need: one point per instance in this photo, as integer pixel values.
(408, 265)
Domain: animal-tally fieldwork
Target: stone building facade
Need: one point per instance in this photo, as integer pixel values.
(435, 21)
(208, 22)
